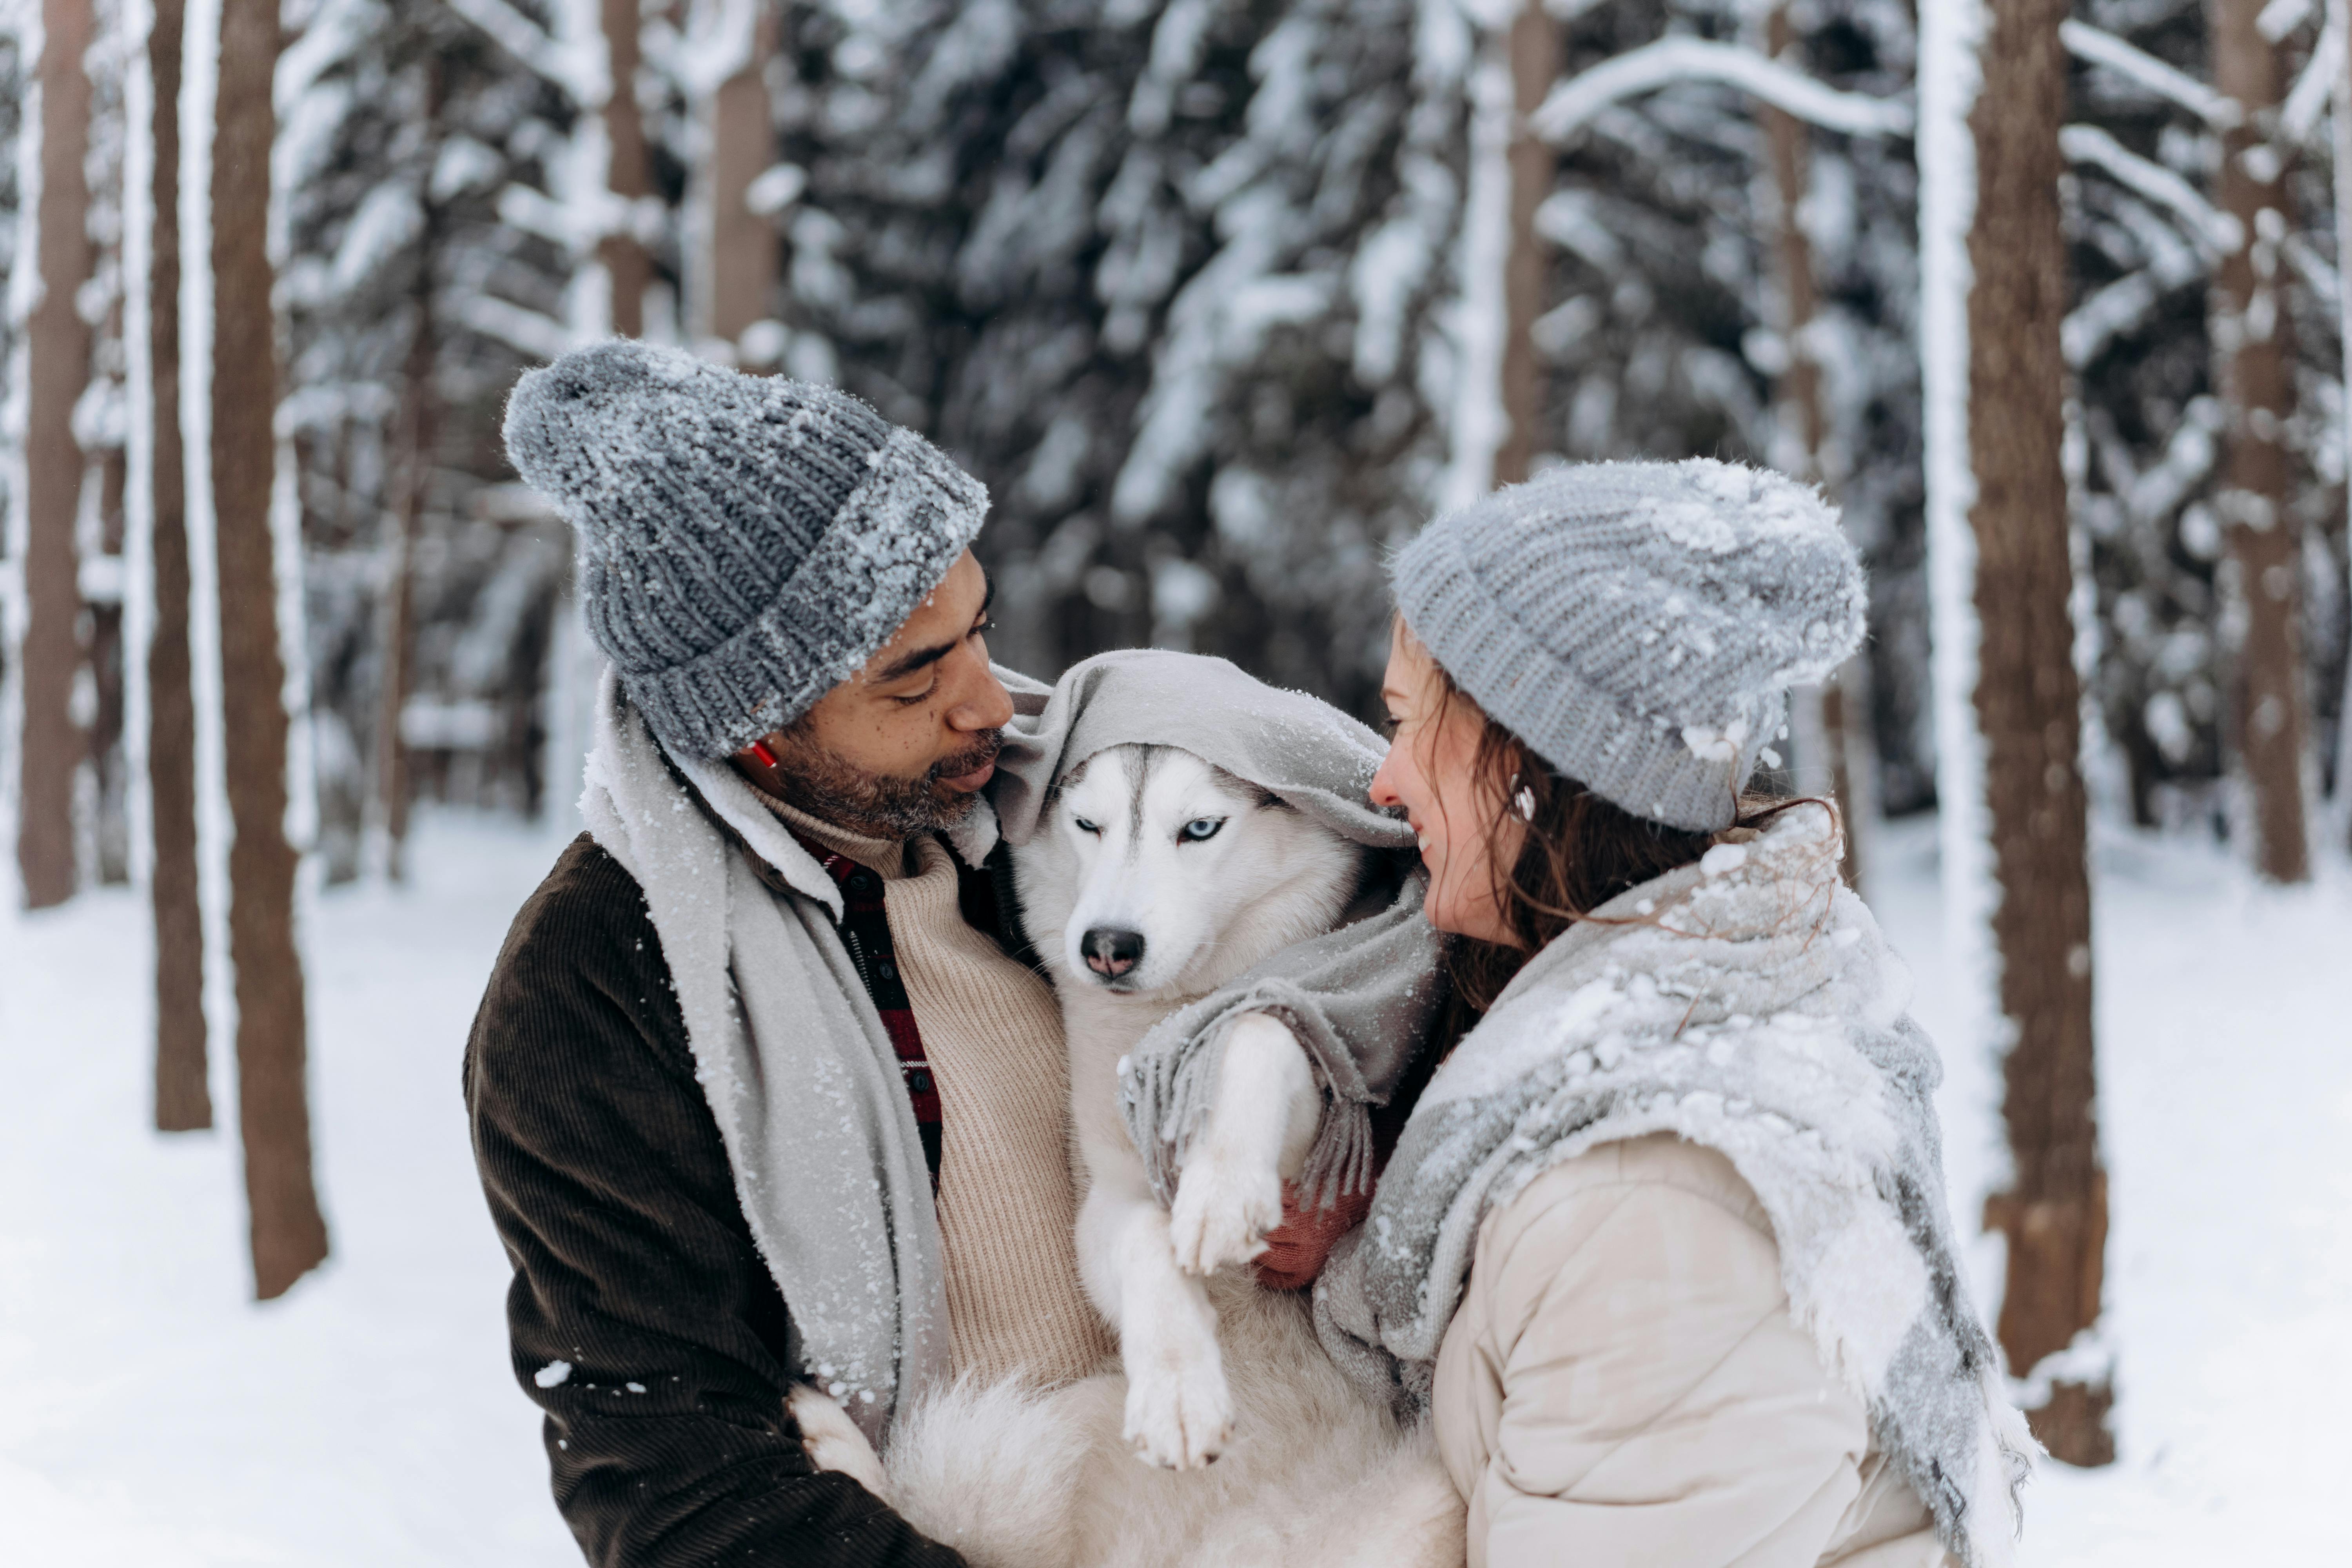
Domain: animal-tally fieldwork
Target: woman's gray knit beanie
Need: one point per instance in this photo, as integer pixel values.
(1639, 624)
(745, 544)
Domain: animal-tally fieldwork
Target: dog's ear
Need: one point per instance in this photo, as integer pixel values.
(1259, 797)
(1063, 780)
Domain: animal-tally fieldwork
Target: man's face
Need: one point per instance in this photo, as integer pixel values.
(903, 746)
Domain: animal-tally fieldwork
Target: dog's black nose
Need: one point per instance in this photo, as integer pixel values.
(1111, 954)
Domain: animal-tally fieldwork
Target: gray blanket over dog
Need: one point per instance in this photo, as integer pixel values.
(1361, 999)
(1748, 1004)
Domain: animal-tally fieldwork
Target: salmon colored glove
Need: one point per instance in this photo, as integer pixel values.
(1296, 1248)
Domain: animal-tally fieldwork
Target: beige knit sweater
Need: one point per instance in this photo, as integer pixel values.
(1007, 1200)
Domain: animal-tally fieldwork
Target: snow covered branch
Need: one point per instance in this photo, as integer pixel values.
(2299, 115)
(579, 72)
(1671, 61)
(541, 336)
(2096, 46)
(2089, 144)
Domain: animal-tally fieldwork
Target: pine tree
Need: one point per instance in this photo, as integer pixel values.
(2013, 796)
(1173, 281)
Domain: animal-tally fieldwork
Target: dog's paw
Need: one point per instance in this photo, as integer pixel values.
(1180, 1414)
(833, 1439)
(1224, 1208)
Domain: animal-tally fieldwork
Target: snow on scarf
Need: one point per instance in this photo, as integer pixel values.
(800, 1073)
(1748, 1004)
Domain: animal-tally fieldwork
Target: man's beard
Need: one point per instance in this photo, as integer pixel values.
(881, 805)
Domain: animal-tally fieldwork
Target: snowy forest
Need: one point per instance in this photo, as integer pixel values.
(1222, 299)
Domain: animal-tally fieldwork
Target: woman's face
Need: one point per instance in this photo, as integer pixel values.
(1430, 772)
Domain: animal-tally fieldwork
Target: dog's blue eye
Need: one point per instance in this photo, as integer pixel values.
(1201, 827)
(1083, 826)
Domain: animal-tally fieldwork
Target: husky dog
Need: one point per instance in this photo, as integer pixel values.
(1154, 879)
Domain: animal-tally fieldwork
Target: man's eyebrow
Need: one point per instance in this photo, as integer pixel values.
(922, 658)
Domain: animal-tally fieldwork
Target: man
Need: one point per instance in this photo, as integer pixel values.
(762, 1089)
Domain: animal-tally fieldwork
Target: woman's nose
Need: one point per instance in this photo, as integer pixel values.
(1384, 791)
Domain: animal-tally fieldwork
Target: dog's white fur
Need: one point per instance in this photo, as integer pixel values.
(1312, 1475)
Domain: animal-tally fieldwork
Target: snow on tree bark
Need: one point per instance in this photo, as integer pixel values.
(288, 1235)
(1995, 281)
(51, 743)
(2250, 331)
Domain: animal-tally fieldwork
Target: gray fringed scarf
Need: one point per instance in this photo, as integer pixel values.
(1747, 1004)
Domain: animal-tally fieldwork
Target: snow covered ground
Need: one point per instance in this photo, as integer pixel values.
(155, 1417)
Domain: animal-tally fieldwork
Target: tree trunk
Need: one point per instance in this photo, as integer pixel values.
(743, 250)
(628, 175)
(184, 1098)
(111, 828)
(2343, 129)
(2027, 709)
(288, 1235)
(1535, 66)
(2248, 329)
(1834, 725)
(50, 746)
(419, 427)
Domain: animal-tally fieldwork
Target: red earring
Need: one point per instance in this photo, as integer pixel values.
(760, 750)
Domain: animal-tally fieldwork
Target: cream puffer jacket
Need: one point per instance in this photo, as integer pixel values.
(1623, 1385)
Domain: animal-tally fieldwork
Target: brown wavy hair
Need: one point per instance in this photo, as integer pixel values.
(1578, 851)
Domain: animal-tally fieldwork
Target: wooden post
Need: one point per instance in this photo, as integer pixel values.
(1535, 66)
(183, 1096)
(2027, 707)
(57, 342)
(288, 1235)
(2248, 321)
(628, 175)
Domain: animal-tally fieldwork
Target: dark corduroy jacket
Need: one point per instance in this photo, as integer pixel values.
(644, 1322)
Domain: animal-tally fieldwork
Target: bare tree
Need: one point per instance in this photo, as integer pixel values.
(1535, 66)
(183, 1096)
(2012, 788)
(2248, 328)
(288, 1235)
(57, 341)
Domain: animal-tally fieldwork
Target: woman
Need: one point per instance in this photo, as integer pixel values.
(1687, 1157)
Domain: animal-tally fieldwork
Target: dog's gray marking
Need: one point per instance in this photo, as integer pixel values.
(1140, 762)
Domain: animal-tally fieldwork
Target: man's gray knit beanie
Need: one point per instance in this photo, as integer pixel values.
(745, 544)
(1639, 624)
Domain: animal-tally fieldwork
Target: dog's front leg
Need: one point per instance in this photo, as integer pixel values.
(1260, 1126)
(832, 1440)
(1180, 1413)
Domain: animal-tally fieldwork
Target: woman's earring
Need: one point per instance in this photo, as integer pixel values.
(1524, 800)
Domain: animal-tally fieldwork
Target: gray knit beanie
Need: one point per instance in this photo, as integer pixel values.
(1639, 624)
(745, 544)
